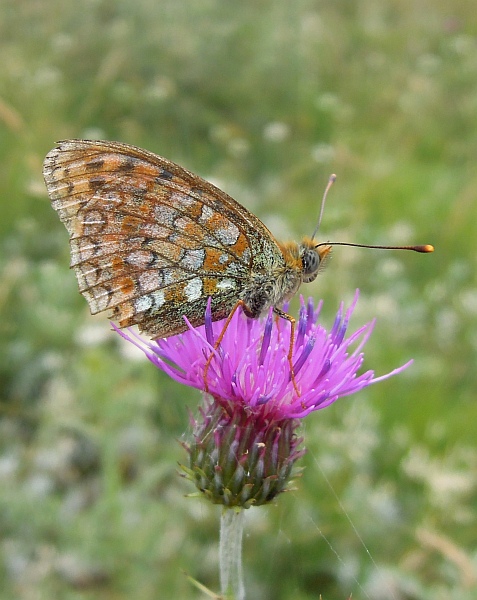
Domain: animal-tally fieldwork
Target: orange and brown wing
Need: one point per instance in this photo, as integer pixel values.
(150, 241)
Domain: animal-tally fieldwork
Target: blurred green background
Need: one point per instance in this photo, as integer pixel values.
(266, 98)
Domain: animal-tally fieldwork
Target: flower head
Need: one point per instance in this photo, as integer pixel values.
(244, 442)
(250, 367)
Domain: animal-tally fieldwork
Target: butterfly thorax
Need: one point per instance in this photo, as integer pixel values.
(301, 264)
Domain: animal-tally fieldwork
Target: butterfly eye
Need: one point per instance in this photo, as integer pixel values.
(311, 263)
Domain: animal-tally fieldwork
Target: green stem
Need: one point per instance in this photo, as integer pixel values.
(231, 576)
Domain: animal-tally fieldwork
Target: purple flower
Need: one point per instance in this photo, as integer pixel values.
(244, 442)
(250, 367)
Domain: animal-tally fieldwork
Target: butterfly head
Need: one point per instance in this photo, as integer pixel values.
(313, 258)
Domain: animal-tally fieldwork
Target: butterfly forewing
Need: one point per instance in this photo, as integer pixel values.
(150, 241)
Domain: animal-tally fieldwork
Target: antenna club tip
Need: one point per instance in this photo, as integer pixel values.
(427, 248)
(332, 178)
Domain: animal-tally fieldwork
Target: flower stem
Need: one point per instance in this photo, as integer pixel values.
(231, 576)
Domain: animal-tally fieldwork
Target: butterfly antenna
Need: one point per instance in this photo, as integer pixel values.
(331, 181)
(425, 248)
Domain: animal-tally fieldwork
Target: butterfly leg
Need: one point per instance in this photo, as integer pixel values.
(219, 340)
(291, 320)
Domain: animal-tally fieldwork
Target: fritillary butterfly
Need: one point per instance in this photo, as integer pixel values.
(151, 241)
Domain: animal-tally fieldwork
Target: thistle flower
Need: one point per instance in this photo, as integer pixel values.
(244, 442)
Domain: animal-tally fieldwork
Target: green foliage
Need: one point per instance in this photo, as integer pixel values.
(267, 98)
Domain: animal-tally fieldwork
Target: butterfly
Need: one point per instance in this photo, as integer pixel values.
(151, 242)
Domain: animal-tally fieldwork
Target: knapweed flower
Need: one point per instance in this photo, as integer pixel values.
(245, 443)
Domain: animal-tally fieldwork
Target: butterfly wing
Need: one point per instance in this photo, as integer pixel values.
(150, 241)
